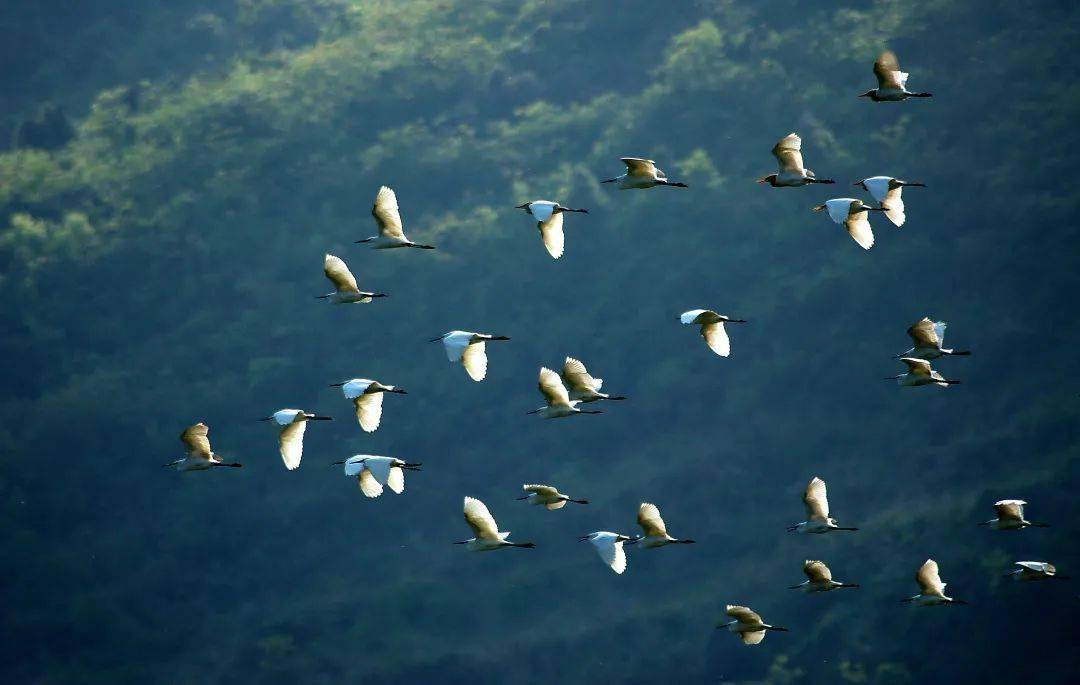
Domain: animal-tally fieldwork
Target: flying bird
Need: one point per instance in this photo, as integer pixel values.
(920, 373)
(892, 83)
(927, 338)
(292, 422)
(818, 578)
(345, 290)
(199, 455)
(549, 219)
(469, 349)
(888, 192)
(388, 219)
(1010, 516)
(817, 520)
(712, 328)
(548, 496)
(1035, 570)
(641, 173)
(485, 529)
(367, 398)
(931, 589)
(788, 153)
(373, 472)
(852, 215)
(557, 400)
(581, 385)
(610, 548)
(655, 532)
(747, 624)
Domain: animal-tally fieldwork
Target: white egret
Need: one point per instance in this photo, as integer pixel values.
(1035, 570)
(345, 289)
(852, 215)
(920, 373)
(388, 219)
(547, 495)
(292, 422)
(927, 338)
(818, 578)
(610, 548)
(642, 173)
(549, 219)
(581, 385)
(199, 455)
(373, 472)
(469, 349)
(888, 192)
(367, 397)
(557, 400)
(655, 532)
(816, 499)
(788, 153)
(892, 83)
(488, 536)
(747, 624)
(1010, 516)
(931, 589)
(712, 328)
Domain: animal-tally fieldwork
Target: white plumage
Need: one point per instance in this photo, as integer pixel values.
(610, 548)
(712, 328)
(469, 349)
(486, 531)
(388, 219)
(373, 472)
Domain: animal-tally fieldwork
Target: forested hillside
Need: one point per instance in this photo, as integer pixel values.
(172, 174)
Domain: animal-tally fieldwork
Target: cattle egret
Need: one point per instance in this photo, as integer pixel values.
(788, 153)
(549, 219)
(293, 422)
(931, 589)
(372, 473)
(558, 403)
(712, 328)
(852, 215)
(920, 373)
(485, 529)
(887, 191)
(655, 532)
(610, 548)
(468, 348)
(1010, 516)
(642, 173)
(581, 385)
(549, 496)
(1035, 570)
(817, 510)
(819, 578)
(927, 338)
(199, 455)
(387, 217)
(367, 397)
(747, 624)
(345, 290)
(892, 83)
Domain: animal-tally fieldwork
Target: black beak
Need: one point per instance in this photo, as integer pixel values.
(336, 385)
(436, 339)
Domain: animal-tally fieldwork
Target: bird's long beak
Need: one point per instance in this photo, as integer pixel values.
(436, 339)
(266, 418)
(500, 337)
(365, 240)
(461, 542)
(400, 391)
(337, 463)
(336, 385)
(411, 467)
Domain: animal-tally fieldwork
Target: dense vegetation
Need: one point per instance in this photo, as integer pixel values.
(174, 174)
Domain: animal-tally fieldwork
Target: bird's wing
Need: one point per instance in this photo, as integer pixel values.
(648, 517)
(917, 367)
(196, 442)
(817, 571)
(454, 346)
(924, 334)
(354, 465)
(552, 234)
(743, 614)
(788, 153)
(557, 504)
(480, 520)
(929, 579)
(688, 317)
(369, 485)
(639, 167)
(611, 552)
(475, 360)
(878, 186)
(552, 388)
(838, 209)
(858, 227)
(716, 338)
(1037, 566)
(577, 377)
(887, 70)
(752, 637)
(541, 209)
(396, 480)
(379, 468)
(369, 410)
(1010, 509)
(816, 500)
(385, 211)
(292, 444)
(339, 275)
(894, 204)
(542, 490)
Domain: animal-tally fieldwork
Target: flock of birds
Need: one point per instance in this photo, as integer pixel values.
(564, 392)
